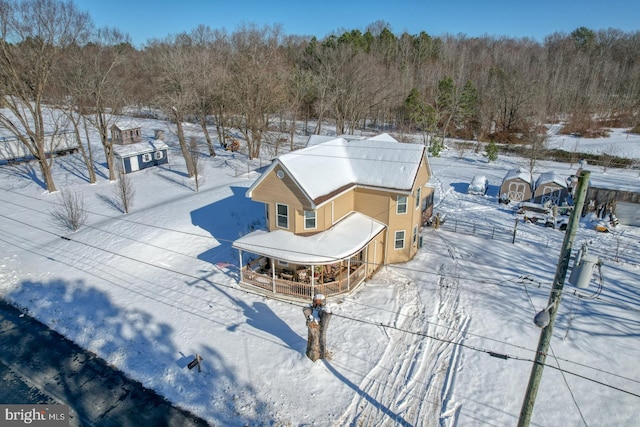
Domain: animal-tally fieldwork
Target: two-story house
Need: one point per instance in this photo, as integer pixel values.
(336, 212)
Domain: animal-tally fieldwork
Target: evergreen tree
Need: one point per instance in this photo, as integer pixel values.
(437, 144)
(492, 151)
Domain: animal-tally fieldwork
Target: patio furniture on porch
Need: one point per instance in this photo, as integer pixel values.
(286, 276)
(302, 274)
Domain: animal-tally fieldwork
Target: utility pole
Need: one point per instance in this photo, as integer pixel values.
(554, 301)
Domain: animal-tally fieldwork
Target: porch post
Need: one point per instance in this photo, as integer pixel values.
(366, 260)
(313, 280)
(273, 275)
(240, 264)
(349, 274)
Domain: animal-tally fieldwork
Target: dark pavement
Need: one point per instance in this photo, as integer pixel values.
(40, 366)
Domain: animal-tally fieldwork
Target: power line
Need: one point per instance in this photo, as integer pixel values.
(378, 324)
(482, 350)
(475, 279)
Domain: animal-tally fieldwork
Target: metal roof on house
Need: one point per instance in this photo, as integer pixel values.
(380, 162)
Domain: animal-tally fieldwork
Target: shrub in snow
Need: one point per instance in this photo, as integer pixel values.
(70, 212)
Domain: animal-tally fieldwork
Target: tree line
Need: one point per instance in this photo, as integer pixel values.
(259, 83)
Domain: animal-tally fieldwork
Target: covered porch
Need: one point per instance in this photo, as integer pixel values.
(331, 262)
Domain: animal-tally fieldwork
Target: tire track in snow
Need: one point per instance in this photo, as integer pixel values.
(411, 383)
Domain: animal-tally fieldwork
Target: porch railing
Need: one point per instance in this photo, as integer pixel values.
(303, 290)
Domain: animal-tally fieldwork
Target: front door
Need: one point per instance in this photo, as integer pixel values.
(134, 164)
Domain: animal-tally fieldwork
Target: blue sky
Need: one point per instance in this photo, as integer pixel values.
(144, 20)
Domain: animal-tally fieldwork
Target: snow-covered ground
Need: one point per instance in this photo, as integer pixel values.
(446, 339)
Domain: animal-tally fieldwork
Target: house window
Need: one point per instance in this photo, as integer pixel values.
(401, 205)
(414, 237)
(418, 191)
(399, 240)
(283, 215)
(159, 155)
(283, 263)
(428, 201)
(146, 157)
(309, 220)
(266, 212)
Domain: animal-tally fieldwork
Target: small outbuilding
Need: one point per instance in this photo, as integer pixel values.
(134, 154)
(516, 187)
(141, 155)
(126, 132)
(617, 195)
(551, 188)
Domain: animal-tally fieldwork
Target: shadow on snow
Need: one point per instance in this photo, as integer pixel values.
(227, 220)
(139, 345)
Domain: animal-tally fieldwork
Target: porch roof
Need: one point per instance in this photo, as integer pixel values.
(341, 241)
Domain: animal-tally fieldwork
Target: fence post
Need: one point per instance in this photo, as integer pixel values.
(515, 228)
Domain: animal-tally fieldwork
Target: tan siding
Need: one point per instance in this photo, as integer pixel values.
(299, 222)
(273, 215)
(423, 174)
(379, 205)
(375, 253)
(342, 205)
(326, 215)
(275, 190)
(375, 204)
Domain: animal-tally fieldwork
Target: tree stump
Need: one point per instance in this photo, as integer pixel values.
(317, 324)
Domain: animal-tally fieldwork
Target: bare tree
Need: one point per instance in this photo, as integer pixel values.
(33, 36)
(71, 211)
(208, 65)
(300, 92)
(536, 137)
(257, 82)
(171, 58)
(197, 165)
(101, 84)
(123, 191)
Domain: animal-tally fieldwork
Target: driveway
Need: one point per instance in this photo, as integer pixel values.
(40, 366)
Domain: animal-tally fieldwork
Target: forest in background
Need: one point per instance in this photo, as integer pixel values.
(256, 80)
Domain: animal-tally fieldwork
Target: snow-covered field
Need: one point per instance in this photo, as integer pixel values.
(446, 339)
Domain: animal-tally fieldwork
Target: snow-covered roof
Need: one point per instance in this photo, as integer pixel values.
(518, 173)
(380, 162)
(318, 139)
(615, 182)
(127, 124)
(129, 150)
(551, 178)
(341, 241)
